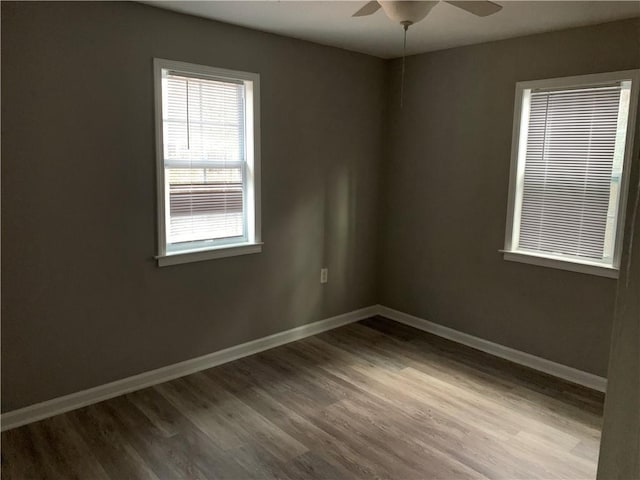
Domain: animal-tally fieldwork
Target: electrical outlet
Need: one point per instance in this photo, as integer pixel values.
(324, 275)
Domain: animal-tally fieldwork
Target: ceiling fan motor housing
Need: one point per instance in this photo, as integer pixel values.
(406, 12)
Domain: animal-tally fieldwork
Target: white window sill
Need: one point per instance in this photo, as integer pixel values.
(552, 262)
(208, 254)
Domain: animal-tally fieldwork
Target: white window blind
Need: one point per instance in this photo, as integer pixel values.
(204, 158)
(568, 172)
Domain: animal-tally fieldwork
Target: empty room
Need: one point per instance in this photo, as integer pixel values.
(320, 240)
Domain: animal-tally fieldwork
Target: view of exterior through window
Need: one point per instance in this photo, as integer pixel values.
(208, 162)
(569, 171)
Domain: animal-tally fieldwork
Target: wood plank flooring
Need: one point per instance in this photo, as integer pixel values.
(374, 399)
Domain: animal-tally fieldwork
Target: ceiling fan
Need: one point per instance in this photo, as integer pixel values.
(406, 13)
(409, 12)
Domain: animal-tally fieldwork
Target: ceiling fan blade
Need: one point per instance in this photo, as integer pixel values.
(368, 9)
(479, 8)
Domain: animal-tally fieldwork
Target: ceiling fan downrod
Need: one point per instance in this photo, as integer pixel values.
(405, 25)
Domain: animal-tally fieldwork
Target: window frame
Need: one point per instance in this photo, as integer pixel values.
(517, 166)
(251, 185)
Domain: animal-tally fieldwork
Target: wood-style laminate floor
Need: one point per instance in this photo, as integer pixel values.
(370, 400)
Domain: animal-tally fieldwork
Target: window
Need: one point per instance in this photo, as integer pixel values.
(207, 128)
(571, 156)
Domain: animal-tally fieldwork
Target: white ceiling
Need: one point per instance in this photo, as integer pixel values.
(330, 22)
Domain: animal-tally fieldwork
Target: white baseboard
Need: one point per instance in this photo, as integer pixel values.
(42, 410)
(547, 366)
(39, 411)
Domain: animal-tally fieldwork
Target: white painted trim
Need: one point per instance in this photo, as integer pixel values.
(550, 261)
(232, 250)
(59, 405)
(547, 366)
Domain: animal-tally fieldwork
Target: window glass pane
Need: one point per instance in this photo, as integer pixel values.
(204, 155)
(616, 173)
(204, 120)
(205, 203)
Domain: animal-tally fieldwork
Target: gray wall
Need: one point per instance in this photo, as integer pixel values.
(446, 179)
(620, 446)
(83, 301)
(349, 181)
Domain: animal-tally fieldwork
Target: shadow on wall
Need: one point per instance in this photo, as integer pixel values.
(328, 212)
(340, 204)
(317, 231)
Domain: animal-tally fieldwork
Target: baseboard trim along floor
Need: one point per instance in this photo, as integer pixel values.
(55, 406)
(49, 408)
(516, 356)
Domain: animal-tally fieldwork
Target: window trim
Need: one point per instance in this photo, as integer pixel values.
(252, 243)
(563, 263)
